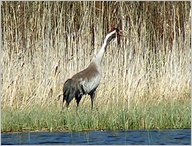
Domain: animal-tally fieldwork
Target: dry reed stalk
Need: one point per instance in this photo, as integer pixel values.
(137, 69)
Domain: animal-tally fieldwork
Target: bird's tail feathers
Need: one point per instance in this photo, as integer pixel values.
(69, 90)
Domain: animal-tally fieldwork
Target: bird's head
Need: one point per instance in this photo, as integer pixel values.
(113, 33)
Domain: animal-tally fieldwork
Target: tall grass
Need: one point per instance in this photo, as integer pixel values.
(143, 116)
(44, 43)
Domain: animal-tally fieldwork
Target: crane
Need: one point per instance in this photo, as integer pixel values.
(87, 80)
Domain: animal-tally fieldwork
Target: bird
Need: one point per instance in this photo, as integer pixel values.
(87, 80)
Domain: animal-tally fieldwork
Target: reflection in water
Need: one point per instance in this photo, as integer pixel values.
(127, 137)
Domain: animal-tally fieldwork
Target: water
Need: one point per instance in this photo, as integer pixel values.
(141, 137)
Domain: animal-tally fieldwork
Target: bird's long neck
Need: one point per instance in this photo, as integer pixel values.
(98, 58)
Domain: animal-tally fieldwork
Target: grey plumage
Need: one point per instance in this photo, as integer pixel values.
(87, 80)
(72, 89)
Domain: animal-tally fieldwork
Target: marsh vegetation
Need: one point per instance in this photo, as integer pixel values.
(145, 82)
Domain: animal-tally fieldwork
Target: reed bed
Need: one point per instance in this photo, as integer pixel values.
(146, 79)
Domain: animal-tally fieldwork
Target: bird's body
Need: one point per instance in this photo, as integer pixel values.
(87, 80)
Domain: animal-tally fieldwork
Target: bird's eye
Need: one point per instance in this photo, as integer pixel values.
(112, 29)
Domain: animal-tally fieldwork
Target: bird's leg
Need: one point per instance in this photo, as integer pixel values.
(67, 104)
(78, 99)
(92, 94)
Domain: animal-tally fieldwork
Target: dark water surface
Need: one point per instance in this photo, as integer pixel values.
(141, 137)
